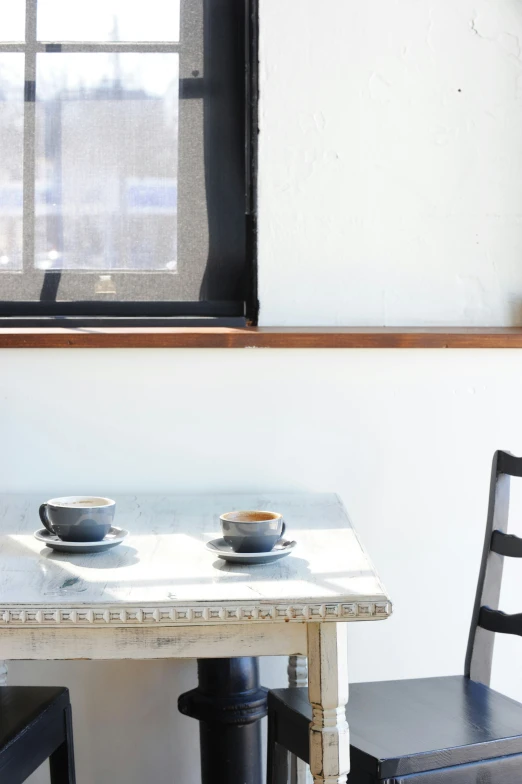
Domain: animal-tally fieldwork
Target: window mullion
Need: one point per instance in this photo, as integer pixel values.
(29, 184)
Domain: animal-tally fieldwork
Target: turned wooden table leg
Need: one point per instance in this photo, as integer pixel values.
(3, 673)
(328, 694)
(297, 671)
(298, 678)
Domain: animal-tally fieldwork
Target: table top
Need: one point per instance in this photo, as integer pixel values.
(163, 575)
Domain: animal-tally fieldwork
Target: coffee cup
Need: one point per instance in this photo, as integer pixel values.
(252, 531)
(78, 518)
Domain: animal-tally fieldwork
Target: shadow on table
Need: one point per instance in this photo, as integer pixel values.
(260, 570)
(111, 559)
(228, 572)
(293, 567)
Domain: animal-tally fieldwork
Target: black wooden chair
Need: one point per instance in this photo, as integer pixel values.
(35, 725)
(429, 730)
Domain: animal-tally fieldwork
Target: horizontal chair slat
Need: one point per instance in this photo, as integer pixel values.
(497, 621)
(509, 464)
(506, 544)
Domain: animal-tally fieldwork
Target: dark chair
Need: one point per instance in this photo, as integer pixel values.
(35, 725)
(429, 730)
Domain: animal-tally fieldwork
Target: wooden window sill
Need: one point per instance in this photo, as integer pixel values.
(263, 337)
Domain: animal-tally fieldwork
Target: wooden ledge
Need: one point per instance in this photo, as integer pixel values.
(263, 337)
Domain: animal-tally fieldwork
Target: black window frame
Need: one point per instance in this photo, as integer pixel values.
(228, 291)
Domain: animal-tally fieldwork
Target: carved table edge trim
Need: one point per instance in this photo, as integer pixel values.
(196, 615)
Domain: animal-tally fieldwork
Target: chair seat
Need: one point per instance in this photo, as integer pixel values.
(35, 725)
(22, 706)
(411, 726)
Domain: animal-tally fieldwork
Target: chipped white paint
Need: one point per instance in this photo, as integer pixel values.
(3, 673)
(161, 594)
(162, 576)
(148, 643)
(328, 693)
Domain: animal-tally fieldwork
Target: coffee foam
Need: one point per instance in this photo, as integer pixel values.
(81, 503)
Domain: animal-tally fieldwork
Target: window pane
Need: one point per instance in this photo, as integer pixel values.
(106, 162)
(11, 160)
(108, 20)
(12, 20)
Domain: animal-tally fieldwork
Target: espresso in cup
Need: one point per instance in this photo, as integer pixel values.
(78, 518)
(252, 531)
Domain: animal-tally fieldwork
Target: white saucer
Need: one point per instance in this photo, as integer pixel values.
(223, 550)
(114, 537)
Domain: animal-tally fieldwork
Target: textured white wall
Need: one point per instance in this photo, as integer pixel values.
(386, 196)
(390, 160)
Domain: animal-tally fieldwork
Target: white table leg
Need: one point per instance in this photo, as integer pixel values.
(3, 673)
(297, 671)
(298, 678)
(328, 694)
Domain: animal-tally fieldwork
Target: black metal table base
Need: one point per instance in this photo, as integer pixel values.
(229, 704)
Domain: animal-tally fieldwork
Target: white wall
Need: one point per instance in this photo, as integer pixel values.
(377, 175)
(390, 162)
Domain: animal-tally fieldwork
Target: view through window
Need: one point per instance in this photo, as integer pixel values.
(123, 176)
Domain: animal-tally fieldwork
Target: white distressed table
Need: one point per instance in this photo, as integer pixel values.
(162, 595)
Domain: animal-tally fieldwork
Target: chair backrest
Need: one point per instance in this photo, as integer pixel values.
(487, 618)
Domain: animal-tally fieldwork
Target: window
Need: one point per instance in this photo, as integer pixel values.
(126, 159)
